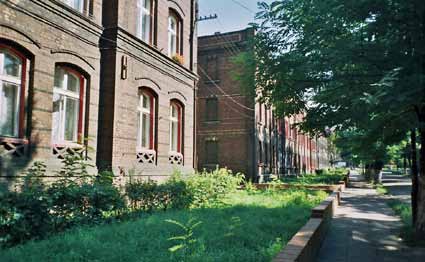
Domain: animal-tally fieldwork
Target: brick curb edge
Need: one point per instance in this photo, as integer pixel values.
(305, 245)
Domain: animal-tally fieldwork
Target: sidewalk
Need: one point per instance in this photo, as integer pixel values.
(365, 229)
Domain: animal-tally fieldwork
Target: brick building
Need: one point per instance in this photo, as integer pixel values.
(49, 80)
(235, 131)
(116, 77)
(147, 86)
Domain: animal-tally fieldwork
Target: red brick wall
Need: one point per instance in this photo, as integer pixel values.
(234, 130)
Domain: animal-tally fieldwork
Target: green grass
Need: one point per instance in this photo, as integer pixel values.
(248, 226)
(407, 231)
(327, 178)
(381, 189)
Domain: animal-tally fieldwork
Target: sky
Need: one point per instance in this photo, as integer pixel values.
(232, 15)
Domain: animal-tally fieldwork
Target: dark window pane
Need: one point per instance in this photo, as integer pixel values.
(212, 152)
(212, 109)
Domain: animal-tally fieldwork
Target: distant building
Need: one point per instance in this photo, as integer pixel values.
(235, 131)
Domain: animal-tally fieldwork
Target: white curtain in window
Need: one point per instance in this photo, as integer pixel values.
(172, 35)
(144, 121)
(174, 128)
(144, 19)
(10, 89)
(66, 101)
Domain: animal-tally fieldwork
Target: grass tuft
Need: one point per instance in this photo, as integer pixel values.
(407, 233)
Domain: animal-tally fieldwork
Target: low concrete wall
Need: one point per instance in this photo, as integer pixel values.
(305, 245)
(329, 188)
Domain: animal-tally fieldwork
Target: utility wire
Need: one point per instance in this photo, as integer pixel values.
(231, 107)
(219, 88)
(243, 6)
(235, 47)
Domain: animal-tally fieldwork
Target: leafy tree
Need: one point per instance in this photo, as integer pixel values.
(357, 66)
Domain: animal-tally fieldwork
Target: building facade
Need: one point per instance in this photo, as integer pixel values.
(111, 80)
(236, 131)
(225, 116)
(49, 81)
(147, 87)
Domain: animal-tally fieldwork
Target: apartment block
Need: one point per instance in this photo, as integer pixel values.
(49, 81)
(147, 87)
(111, 80)
(234, 129)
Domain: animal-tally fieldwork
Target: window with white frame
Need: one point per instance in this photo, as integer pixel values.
(146, 121)
(76, 4)
(144, 27)
(67, 106)
(172, 35)
(176, 116)
(11, 75)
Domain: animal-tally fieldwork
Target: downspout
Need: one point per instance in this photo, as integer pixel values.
(191, 40)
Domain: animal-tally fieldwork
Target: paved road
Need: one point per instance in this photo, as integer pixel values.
(399, 187)
(365, 229)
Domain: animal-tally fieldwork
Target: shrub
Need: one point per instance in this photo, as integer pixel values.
(26, 214)
(73, 204)
(149, 195)
(105, 177)
(209, 189)
(179, 193)
(37, 210)
(141, 194)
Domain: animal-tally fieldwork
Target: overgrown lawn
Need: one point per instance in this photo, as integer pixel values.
(248, 226)
(326, 178)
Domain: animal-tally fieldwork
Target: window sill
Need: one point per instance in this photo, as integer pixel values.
(14, 140)
(212, 122)
(211, 82)
(145, 150)
(68, 145)
(211, 166)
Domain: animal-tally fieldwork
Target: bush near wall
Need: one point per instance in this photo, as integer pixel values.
(37, 210)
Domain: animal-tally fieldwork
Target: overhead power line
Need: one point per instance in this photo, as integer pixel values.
(224, 92)
(243, 6)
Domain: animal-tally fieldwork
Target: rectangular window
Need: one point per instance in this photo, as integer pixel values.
(9, 109)
(175, 127)
(144, 27)
(67, 106)
(211, 109)
(212, 67)
(145, 121)
(175, 31)
(212, 152)
(83, 6)
(11, 67)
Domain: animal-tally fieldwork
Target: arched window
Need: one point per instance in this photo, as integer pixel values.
(176, 127)
(174, 34)
(146, 121)
(146, 23)
(68, 96)
(12, 93)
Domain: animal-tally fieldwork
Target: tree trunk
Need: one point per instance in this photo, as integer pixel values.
(414, 170)
(420, 217)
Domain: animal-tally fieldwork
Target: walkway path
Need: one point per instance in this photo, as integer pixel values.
(365, 229)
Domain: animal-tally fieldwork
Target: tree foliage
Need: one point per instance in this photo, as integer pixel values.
(356, 66)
